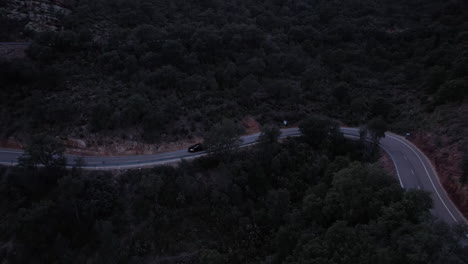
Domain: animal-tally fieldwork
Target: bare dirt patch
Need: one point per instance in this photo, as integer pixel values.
(387, 164)
(444, 147)
(118, 147)
(10, 143)
(102, 146)
(10, 52)
(251, 126)
(95, 146)
(446, 158)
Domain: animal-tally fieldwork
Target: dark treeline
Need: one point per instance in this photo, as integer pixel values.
(10, 29)
(177, 67)
(300, 201)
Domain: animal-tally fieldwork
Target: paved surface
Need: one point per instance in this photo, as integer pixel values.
(10, 156)
(415, 171)
(413, 168)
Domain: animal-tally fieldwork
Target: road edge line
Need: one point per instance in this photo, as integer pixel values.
(394, 164)
(432, 182)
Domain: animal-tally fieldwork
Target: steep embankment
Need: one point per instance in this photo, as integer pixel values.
(40, 15)
(445, 144)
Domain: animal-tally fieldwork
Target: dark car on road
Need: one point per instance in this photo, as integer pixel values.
(195, 148)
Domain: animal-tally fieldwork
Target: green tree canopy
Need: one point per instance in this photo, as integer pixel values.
(223, 136)
(320, 131)
(377, 128)
(44, 151)
(269, 134)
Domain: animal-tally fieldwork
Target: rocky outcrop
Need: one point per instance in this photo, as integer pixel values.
(13, 51)
(42, 15)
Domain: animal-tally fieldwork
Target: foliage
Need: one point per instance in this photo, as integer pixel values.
(172, 68)
(223, 137)
(273, 203)
(43, 150)
(464, 167)
(453, 91)
(320, 131)
(169, 70)
(377, 128)
(370, 135)
(269, 134)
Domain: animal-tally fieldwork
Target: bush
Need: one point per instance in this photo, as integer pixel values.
(319, 131)
(223, 137)
(452, 91)
(464, 167)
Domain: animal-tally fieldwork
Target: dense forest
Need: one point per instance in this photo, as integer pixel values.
(314, 199)
(160, 70)
(163, 70)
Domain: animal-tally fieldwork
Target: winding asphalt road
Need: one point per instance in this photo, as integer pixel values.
(414, 169)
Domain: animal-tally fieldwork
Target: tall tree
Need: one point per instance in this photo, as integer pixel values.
(269, 135)
(377, 128)
(44, 151)
(320, 131)
(223, 137)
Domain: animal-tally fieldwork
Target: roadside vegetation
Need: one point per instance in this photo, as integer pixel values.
(158, 70)
(163, 70)
(314, 199)
(464, 167)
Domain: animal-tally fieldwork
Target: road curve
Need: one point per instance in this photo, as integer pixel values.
(414, 170)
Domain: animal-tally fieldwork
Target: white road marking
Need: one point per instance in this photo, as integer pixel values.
(412, 171)
(342, 129)
(427, 173)
(394, 163)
